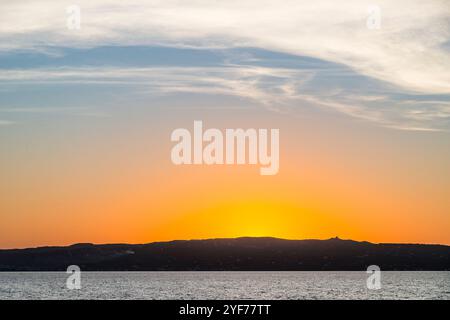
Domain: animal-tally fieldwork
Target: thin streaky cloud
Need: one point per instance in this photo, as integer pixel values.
(273, 88)
(40, 109)
(410, 50)
(6, 122)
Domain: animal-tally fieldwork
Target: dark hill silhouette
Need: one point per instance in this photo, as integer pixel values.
(256, 254)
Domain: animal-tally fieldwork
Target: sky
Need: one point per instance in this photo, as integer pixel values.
(86, 117)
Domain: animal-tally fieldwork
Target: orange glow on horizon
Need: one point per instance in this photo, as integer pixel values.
(133, 197)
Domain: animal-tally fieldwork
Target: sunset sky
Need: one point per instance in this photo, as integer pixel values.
(86, 117)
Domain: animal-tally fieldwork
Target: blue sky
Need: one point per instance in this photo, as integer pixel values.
(87, 81)
(283, 57)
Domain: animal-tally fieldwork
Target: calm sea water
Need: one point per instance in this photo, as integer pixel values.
(225, 285)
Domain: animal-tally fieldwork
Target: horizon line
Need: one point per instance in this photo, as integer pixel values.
(221, 238)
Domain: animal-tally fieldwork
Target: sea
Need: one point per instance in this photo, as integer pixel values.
(225, 285)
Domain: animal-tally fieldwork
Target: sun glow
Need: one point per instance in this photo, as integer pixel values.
(242, 218)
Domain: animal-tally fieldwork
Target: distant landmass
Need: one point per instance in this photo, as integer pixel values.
(240, 254)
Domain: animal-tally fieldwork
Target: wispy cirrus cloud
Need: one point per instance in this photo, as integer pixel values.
(6, 122)
(262, 84)
(409, 51)
(274, 88)
(397, 76)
